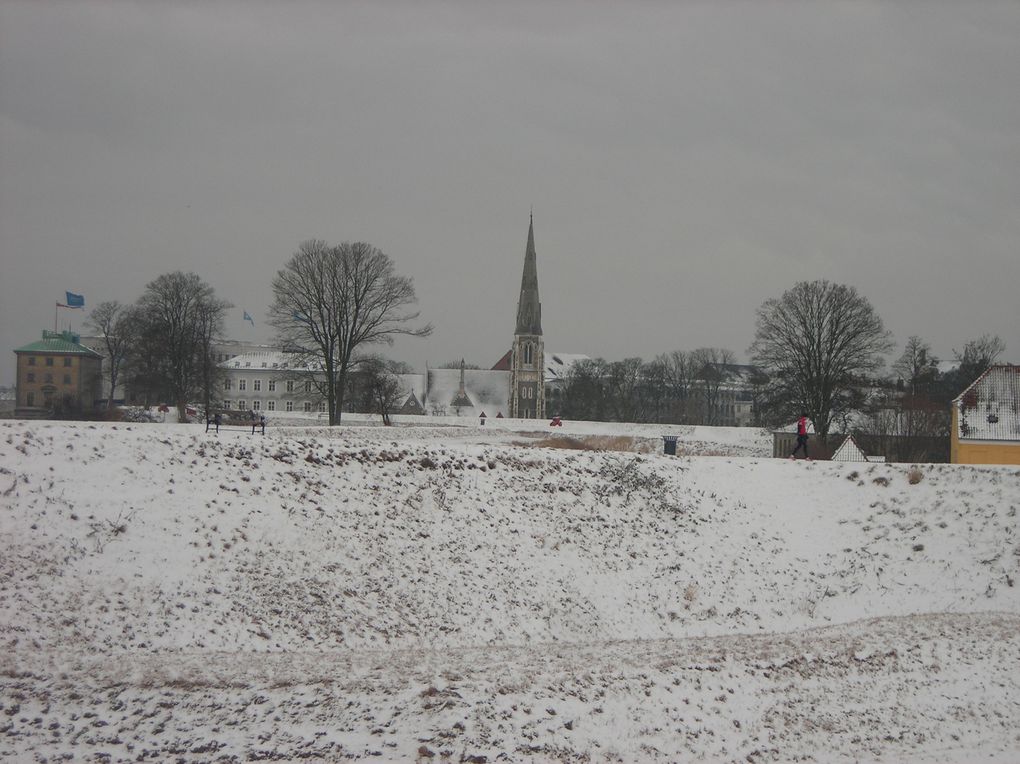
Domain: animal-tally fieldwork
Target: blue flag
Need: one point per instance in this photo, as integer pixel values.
(249, 318)
(75, 300)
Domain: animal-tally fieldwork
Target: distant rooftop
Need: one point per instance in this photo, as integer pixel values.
(990, 408)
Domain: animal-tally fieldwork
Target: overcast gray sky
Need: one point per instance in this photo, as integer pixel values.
(685, 161)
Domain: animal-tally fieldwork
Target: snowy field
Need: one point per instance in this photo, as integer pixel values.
(471, 594)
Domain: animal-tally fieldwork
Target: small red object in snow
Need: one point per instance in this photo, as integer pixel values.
(556, 422)
(163, 407)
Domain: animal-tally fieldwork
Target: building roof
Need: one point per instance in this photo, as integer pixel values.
(64, 343)
(737, 373)
(488, 391)
(558, 365)
(272, 360)
(990, 408)
(503, 364)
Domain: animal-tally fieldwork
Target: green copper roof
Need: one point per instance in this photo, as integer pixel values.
(58, 342)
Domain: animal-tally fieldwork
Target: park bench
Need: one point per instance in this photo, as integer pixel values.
(235, 420)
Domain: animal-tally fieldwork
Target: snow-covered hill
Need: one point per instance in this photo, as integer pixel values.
(458, 592)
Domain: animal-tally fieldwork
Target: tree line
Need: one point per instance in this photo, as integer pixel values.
(818, 349)
(329, 303)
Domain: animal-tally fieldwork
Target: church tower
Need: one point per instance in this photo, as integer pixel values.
(527, 358)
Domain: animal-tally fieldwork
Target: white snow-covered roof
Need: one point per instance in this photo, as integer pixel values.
(558, 365)
(849, 451)
(271, 360)
(487, 389)
(990, 408)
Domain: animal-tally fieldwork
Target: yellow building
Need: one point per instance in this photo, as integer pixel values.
(986, 419)
(57, 372)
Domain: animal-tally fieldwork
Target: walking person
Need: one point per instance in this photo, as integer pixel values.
(802, 437)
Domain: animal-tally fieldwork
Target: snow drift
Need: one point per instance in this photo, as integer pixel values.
(444, 593)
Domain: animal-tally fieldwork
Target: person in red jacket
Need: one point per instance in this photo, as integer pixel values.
(802, 437)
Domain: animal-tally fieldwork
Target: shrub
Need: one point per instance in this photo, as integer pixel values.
(914, 475)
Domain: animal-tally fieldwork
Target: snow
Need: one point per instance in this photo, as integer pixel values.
(469, 593)
(990, 408)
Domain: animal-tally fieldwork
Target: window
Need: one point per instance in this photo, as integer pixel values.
(67, 360)
(67, 379)
(256, 405)
(30, 400)
(226, 384)
(226, 404)
(308, 405)
(322, 407)
(31, 360)
(242, 384)
(527, 354)
(272, 385)
(30, 377)
(308, 387)
(290, 385)
(49, 360)
(241, 406)
(290, 405)
(48, 378)
(271, 405)
(256, 385)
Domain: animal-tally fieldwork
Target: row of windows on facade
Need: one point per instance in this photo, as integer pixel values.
(30, 377)
(49, 360)
(256, 405)
(256, 385)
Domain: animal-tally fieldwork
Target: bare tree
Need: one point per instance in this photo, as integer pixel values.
(680, 368)
(818, 339)
(180, 317)
(378, 385)
(709, 380)
(917, 367)
(330, 301)
(584, 390)
(113, 322)
(654, 392)
(977, 356)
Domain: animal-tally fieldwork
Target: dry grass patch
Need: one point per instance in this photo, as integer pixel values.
(590, 443)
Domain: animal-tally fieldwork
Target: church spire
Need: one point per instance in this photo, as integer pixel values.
(529, 309)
